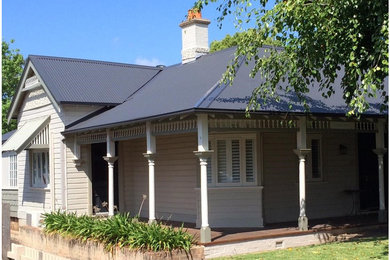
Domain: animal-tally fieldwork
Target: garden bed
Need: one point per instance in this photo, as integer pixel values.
(119, 237)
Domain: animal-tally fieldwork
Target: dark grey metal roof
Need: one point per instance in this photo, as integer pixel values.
(89, 81)
(195, 86)
(176, 88)
(7, 135)
(236, 97)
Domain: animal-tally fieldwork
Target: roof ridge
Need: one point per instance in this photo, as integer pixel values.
(108, 63)
(215, 90)
(264, 46)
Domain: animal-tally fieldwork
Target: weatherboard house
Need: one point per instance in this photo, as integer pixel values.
(173, 143)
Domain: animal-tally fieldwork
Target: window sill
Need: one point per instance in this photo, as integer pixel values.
(9, 188)
(40, 188)
(232, 188)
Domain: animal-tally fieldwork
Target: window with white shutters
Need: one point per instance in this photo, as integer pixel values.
(233, 161)
(13, 171)
(314, 160)
(209, 167)
(222, 162)
(249, 160)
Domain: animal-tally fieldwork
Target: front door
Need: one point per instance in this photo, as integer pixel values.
(100, 178)
(368, 172)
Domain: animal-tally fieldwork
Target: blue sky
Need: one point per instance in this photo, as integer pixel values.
(139, 32)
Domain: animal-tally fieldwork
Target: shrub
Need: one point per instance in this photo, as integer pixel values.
(120, 230)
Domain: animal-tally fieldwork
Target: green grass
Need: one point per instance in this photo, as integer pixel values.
(118, 231)
(364, 248)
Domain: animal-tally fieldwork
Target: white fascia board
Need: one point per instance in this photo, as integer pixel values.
(20, 90)
(48, 93)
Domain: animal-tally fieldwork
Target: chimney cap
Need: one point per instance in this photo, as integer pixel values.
(193, 14)
(194, 21)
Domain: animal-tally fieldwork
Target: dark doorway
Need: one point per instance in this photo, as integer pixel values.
(386, 170)
(100, 178)
(368, 172)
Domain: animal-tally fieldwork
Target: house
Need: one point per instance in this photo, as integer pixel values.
(173, 143)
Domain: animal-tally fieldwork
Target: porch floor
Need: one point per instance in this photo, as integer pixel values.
(229, 235)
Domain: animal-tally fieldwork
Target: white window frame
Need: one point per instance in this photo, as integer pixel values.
(44, 174)
(214, 165)
(13, 171)
(9, 170)
(309, 159)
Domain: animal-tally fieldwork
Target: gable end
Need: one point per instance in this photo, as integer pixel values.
(30, 81)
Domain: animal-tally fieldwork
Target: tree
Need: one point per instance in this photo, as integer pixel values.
(12, 68)
(230, 41)
(321, 39)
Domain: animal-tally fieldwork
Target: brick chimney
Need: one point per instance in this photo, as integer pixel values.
(195, 36)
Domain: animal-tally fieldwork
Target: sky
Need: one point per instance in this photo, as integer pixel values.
(132, 31)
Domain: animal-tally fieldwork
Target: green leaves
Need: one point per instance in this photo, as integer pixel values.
(120, 230)
(321, 39)
(12, 68)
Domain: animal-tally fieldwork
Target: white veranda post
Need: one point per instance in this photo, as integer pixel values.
(301, 152)
(380, 152)
(110, 158)
(203, 153)
(150, 154)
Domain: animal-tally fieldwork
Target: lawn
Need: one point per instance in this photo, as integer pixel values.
(364, 248)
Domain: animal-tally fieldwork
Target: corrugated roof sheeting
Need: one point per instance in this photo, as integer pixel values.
(237, 96)
(195, 86)
(176, 88)
(86, 81)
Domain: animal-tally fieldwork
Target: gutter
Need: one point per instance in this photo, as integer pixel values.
(208, 110)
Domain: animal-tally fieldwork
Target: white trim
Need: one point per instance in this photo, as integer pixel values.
(233, 188)
(9, 169)
(128, 132)
(242, 138)
(309, 159)
(99, 137)
(150, 151)
(35, 86)
(252, 123)
(110, 158)
(150, 139)
(21, 88)
(25, 134)
(89, 174)
(203, 132)
(51, 98)
(64, 176)
(47, 167)
(174, 127)
(52, 181)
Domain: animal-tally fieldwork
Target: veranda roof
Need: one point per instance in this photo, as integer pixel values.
(196, 87)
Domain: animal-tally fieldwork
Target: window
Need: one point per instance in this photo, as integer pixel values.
(40, 168)
(13, 171)
(233, 161)
(314, 160)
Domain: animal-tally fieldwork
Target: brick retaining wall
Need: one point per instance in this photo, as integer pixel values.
(73, 249)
